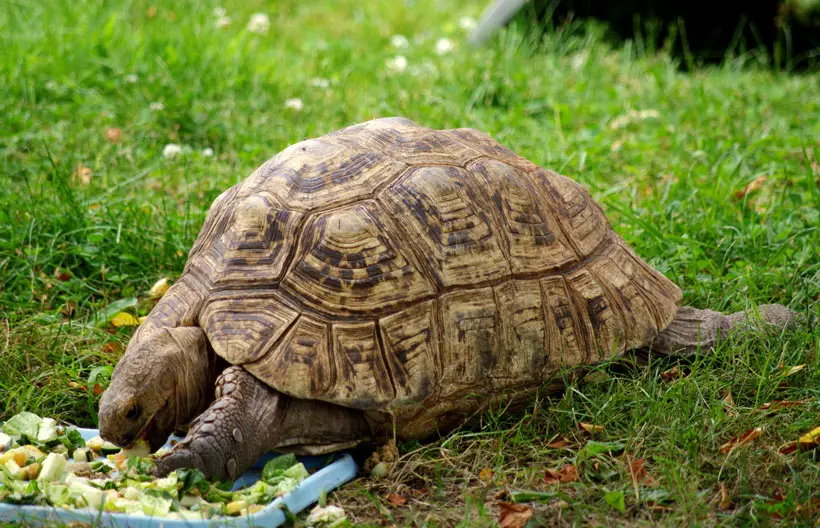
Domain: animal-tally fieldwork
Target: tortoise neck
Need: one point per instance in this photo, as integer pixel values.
(180, 306)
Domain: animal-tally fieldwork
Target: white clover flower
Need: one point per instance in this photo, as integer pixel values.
(157, 106)
(467, 23)
(222, 22)
(219, 12)
(208, 152)
(259, 23)
(294, 104)
(131, 78)
(399, 41)
(444, 46)
(397, 63)
(171, 150)
(52, 85)
(318, 82)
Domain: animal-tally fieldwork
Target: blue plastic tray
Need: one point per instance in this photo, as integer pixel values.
(328, 478)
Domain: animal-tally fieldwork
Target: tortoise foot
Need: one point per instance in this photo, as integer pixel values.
(226, 439)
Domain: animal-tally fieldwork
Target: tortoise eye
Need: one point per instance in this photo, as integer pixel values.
(134, 412)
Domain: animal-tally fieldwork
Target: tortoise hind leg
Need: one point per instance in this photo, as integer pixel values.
(693, 328)
(248, 419)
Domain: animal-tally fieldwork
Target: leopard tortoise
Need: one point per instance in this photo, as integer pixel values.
(386, 279)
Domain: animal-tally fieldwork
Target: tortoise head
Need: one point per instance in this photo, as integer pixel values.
(161, 383)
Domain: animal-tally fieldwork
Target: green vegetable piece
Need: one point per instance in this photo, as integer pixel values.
(192, 480)
(72, 439)
(53, 468)
(155, 506)
(217, 495)
(140, 467)
(23, 425)
(47, 431)
(82, 454)
(57, 494)
(275, 468)
(98, 466)
(297, 472)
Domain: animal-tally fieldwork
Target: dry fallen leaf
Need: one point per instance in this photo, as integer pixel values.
(513, 515)
(638, 473)
(672, 374)
(151, 12)
(83, 174)
(62, 275)
(753, 186)
(559, 443)
(68, 309)
(113, 135)
(741, 440)
(124, 319)
(111, 348)
(725, 500)
(97, 389)
(782, 404)
(658, 508)
(396, 500)
(590, 428)
(728, 400)
(75, 385)
(486, 475)
(159, 288)
(568, 473)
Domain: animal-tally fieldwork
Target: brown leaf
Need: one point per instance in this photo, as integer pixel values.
(725, 500)
(782, 404)
(809, 440)
(97, 389)
(68, 309)
(741, 440)
(568, 473)
(590, 428)
(83, 174)
(638, 472)
(559, 443)
(728, 400)
(112, 348)
(753, 186)
(486, 475)
(62, 275)
(151, 12)
(658, 508)
(513, 515)
(396, 500)
(672, 374)
(113, 135)
(77, 386)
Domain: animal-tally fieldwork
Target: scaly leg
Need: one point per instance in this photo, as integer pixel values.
(693, 328)
(249, 418)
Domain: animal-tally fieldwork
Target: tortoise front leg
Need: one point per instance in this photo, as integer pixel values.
(248, 419)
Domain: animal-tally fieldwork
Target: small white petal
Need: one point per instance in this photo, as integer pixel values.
(171, 150)
(131, 78)
(222, 22)
(208, 152)
(467, 23)
(399, 41)
(219, 12)
(259, 23)
(294, 104)
(397, 63)
(157, 106)
(444, 46)
(318, 82)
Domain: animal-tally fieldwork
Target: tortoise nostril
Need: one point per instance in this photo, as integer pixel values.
(133, 412)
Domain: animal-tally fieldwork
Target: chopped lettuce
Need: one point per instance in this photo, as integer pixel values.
(275, 468)
(35, 470)
(22, 426)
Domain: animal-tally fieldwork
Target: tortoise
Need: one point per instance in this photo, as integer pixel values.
(386, 279)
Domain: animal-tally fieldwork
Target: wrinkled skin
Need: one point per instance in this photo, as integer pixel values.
(164, 380)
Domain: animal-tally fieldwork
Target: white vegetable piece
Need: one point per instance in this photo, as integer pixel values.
(53, 468)
(5, 442)
(47, 431)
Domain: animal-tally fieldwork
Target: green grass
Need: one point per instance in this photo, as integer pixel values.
(71, 70)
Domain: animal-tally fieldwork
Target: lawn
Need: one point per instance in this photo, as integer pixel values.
(713, 176)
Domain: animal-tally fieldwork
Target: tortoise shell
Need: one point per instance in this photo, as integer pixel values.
(387, 266)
